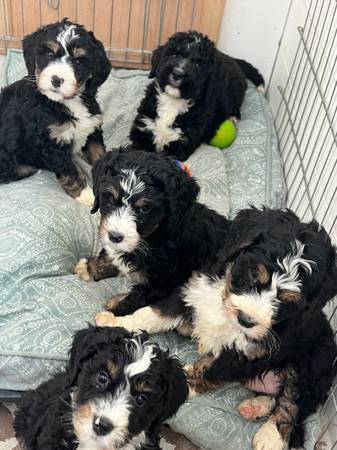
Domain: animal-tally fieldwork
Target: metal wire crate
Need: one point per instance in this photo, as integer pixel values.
(304, 81)
(303, 85)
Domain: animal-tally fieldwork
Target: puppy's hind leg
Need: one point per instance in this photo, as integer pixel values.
(276, 432)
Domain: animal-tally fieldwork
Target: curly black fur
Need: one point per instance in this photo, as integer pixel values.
(168, 234)
(52, 112)
(196, 88)
(303, 350)
(82, 406)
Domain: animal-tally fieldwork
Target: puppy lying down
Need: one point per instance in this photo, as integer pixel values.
(115, 392)
(257, 310)
(195, 88)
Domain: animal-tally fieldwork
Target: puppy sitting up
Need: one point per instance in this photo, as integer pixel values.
(52, 114)
(115, 393)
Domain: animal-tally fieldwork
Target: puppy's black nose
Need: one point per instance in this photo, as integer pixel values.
(178, 73)
(102, 426)
(115, 237)
(245, 320)
(56, 81)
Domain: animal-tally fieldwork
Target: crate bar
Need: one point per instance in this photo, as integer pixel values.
(293, 67)
(297, 147)
(300, 83)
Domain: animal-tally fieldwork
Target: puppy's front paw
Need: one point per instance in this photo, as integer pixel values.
(81, 269)
(86, 197)
(256, 407)
(113, 303)
(268, 438)
(106, 319)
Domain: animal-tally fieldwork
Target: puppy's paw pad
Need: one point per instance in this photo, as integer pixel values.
(105, 319)
(257, 407)
(268, 438)
(81, 269)
(114, 302)
(86, 197)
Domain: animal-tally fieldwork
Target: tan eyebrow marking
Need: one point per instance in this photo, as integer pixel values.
(79, 51)
(54, 46)
(289, 296)
(262, 274)
(113, 369)
(113, 191)
(142, 386)
(140, 202)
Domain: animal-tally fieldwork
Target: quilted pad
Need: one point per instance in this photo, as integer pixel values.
(43, 233)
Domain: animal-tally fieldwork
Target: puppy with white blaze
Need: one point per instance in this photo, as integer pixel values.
(152, 230)
(51, 114)
(258, 310)
(195, 89)
(115, 392)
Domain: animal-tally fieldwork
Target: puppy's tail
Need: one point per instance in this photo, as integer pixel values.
(251, 73)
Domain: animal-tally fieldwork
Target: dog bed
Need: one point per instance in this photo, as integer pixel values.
(43, 233)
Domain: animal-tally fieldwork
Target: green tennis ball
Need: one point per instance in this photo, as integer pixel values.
(225, 135)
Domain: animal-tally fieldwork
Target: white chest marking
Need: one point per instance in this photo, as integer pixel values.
(78, 130)
(213, 329)
(117, 260)
(169, 108)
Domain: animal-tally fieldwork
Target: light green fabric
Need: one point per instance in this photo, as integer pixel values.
(43, 233)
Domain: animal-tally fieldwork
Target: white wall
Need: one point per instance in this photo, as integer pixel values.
(251, 29)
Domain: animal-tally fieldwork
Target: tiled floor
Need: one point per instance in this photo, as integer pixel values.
(169, 441)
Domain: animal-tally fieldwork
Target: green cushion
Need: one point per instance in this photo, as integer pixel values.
(43, 233)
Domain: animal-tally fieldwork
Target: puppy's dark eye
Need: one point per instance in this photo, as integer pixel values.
(144, 209)
(50, 55)
(77, 61)
(102, 379)
(140, 399)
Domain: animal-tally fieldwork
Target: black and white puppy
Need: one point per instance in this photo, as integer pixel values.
(259, 309)
(195, 89)
(152, 229)
(52, 114)
(115, 393)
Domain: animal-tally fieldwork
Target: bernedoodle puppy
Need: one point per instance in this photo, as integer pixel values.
(259, 309)
(152, 229)
(115, 392)
(195, 89)
(51, 114)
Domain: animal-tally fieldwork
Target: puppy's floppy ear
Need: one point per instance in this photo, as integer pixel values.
(221, 76)
(29, 45)
(102, 65)
(89, 341)
(101, 169)
(176, 387)
(175, 391)
(155, 60)
(98, 171)
(321, 284)
(181, 189)
(245, 230)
